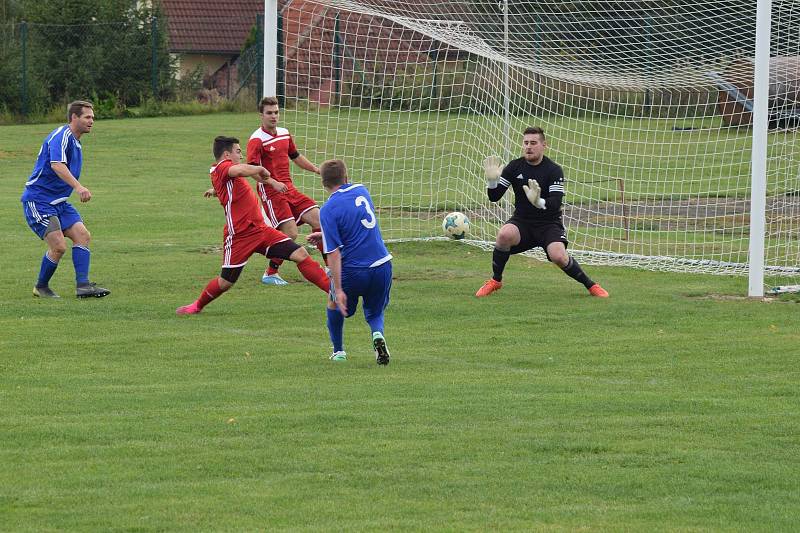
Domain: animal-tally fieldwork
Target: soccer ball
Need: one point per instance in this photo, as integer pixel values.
(455, 225)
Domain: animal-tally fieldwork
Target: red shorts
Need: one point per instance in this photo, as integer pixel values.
(289, 205)
(238, 248)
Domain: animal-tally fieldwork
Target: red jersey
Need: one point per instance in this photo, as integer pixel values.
(242, 209)
(273, 152)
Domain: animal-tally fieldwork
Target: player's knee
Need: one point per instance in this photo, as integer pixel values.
(228, 277)
(57, 250)
(82, 237)
(331, 305)
(299, 255)
(560, 258)
(505, 239)
(290, 232)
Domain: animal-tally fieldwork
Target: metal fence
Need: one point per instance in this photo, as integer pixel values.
(120, 62)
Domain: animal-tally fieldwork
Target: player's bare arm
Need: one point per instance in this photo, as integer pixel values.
(62, 171)
(303, 162)
(335, 265)
(258, 173)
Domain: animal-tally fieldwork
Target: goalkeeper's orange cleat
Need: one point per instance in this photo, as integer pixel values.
(488, 288)
(597, 290)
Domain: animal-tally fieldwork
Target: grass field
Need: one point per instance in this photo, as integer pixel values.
(674, 405)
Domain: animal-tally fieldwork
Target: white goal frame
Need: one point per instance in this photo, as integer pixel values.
(758, 189)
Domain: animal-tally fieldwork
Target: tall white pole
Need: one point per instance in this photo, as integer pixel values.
(507, 84)
(758, 187)
(270, 48)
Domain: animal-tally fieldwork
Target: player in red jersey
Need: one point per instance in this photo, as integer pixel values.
(245, 231)
(285, 207)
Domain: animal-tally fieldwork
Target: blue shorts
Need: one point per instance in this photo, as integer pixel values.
(371, 284)
(37, 215)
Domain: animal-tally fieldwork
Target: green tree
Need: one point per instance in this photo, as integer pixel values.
(100, 49)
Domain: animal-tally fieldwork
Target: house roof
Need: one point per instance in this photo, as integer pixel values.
(210, 26)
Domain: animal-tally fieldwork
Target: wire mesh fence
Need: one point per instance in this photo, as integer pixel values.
(119, 65)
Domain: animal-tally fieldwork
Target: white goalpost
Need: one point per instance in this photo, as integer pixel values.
(674, 121)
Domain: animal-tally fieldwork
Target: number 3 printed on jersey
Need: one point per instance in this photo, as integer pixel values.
(370, 222)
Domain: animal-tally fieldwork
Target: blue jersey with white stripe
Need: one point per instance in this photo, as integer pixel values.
(349, 223)
(44, 185)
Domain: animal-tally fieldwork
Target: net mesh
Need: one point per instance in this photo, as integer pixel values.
(647, 106)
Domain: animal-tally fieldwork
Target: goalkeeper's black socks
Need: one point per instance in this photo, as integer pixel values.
(574, 270)
(499, 260)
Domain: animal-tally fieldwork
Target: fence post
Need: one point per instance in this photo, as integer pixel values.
(281, 79)
(24, 84)
(260, 46)
(154, 57)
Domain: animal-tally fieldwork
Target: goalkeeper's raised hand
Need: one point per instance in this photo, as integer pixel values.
(493, 167)
(534, 194)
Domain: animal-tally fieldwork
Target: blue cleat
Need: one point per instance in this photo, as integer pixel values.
(273, 279)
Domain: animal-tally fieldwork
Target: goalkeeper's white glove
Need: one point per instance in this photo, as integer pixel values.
(493, 167)
(534, 194)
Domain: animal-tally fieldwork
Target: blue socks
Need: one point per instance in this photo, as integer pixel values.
(46, 271)
(336, 329)
(80, 259)
(375, 323)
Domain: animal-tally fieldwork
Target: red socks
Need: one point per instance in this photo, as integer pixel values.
(311, 270)
(211, 291)
(274, 265)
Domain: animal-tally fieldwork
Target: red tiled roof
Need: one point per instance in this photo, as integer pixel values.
(210, 26)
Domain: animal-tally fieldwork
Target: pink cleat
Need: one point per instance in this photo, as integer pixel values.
(190, 309)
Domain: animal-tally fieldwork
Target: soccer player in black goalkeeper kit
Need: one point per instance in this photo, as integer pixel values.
(538, 185)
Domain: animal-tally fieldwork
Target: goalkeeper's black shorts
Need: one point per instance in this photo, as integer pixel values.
(537, 234)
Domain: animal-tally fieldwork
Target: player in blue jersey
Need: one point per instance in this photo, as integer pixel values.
(47, 211)
(359, 262)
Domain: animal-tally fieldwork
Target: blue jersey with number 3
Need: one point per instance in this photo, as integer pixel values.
(349, 223)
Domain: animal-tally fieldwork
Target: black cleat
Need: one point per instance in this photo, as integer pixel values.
(381, 351)
(44, 292)
(91, 290)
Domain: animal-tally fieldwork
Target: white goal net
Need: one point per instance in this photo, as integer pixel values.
(646, 105)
